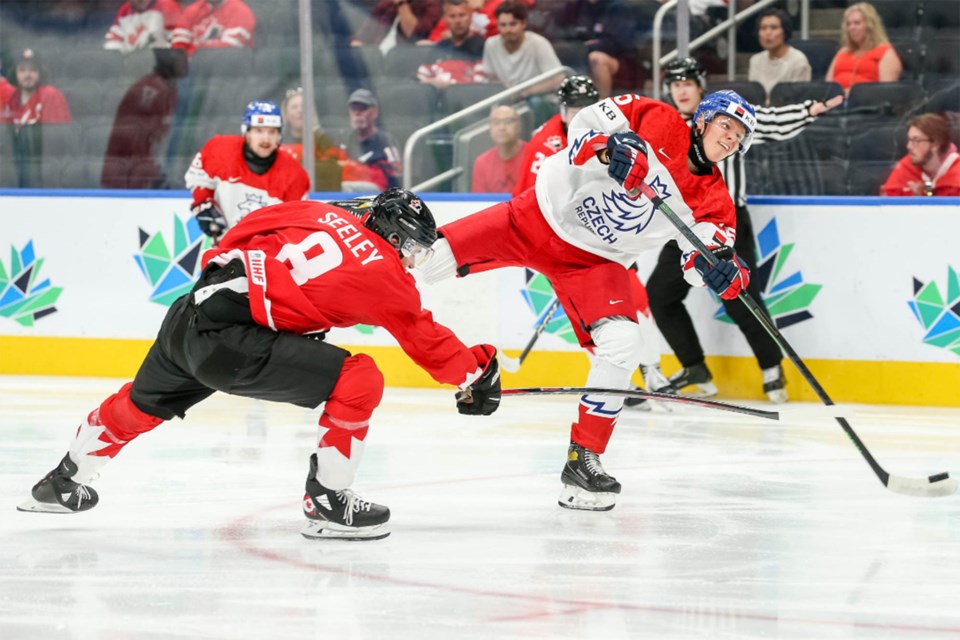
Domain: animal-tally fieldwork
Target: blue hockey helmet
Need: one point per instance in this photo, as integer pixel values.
(729, 103)
(260, 113)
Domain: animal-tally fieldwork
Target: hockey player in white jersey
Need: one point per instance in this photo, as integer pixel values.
(233, 176)
(581, 226)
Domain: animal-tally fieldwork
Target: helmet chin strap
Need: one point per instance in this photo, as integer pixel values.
(697, 154)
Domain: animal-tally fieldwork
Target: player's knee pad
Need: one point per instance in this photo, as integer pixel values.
(123, 418)
(618, 341)
(358, 391)
(442, 265)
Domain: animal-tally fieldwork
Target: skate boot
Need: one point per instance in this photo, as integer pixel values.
(341, 515)
(653, 380)
(586, 485)
(698, 377)
(773, 384)
(58, 493)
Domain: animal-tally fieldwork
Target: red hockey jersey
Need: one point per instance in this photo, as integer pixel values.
(545, 142)
(150, 28)
(203, 25)
(46, 105)
(312, 266)
(219, 172)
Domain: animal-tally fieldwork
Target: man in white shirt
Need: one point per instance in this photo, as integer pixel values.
(516, 55)
(778, 62)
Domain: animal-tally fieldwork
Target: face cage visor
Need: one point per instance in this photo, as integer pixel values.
(416, 253)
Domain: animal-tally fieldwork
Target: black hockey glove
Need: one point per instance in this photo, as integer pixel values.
(628, 160)
(729, 277)
(210, 218)
(483, 396)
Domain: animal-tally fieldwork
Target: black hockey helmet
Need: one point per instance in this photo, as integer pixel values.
(578, 91)
(403, 219)
(683, 69)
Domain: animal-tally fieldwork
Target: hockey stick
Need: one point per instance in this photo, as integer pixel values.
(512, 365)
(638, 393)
(940, 484)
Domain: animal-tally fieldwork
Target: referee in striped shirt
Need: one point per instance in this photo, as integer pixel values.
(685, 81)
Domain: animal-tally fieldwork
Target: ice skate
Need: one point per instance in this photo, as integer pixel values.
(773, 384)
(653, 380)
(698, 377)
(58, 493)
(341, 515)
(586, 486)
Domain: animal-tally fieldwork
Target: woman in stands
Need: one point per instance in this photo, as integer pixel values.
(865, 52)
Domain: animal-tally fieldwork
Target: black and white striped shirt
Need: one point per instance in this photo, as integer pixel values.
(774, 124)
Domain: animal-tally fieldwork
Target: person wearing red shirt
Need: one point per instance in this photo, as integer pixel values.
(865, 52)
(6, 89)
(232, 176)
(214, 24)
(253, 326)
(495, 170)
(33, 101)
(142, 24)
(932, 164)
(575, 93)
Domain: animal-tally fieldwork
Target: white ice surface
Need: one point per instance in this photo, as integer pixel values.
(727, 527)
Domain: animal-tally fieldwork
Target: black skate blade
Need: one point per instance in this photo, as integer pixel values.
(322, 530)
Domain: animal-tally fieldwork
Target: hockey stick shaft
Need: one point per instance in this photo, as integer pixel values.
(544, 321)
(639, 393)
(902, 485)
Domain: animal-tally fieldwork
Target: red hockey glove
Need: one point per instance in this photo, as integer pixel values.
(628, 160)
(209, 217)
(483, 396)
(728, 278)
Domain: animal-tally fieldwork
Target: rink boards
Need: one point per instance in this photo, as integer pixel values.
(864, 289)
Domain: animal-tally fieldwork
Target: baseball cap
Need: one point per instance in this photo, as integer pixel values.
(28, 56)
(362, 96)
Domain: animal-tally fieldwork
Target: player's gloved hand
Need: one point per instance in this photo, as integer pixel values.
(628, 160)
(483, 396)
(729, 277)
(210, 218)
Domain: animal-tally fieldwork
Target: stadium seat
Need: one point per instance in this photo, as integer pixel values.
(752, 92)
(899, 17)
(8, 168)
(886, 143)
(892, 98)
(223, 63)
(460, 96)
(60, 140)
(943, 56)
(331, 98)
(794, 92)
(572, 53)
(912, 55)
(409, 101)
(866, 178)
(819, 52)
(941, 14)
(138, 64)
(403, 61)
(277, 61)
(91, 65)
(354, 66)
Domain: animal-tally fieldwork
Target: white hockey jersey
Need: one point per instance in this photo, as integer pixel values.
(590, 210)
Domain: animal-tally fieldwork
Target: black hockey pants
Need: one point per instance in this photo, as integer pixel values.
(667, 289)
(216, 346)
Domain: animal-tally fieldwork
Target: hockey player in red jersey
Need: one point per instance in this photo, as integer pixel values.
(575, 93)
(583, 225)
(233, 176)
(253, 326)
(209, 24)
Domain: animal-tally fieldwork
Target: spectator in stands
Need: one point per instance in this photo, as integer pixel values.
(932, 164)
(865, 52)
(142, 24)
(496, 170)
(328, 156)
(370, 145)
(6, 89)
(208, 24)
(575, 93)
(458, 53)
(33, 101)
(607, 29)
(483, 22)
(394, 22)
(233, 176)
(778, 62)
(142, 125)
(516, 55)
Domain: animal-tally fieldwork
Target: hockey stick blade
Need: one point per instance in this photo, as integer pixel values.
(934, 486)
(637, 393)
